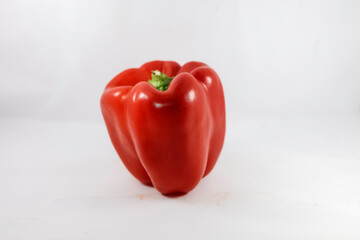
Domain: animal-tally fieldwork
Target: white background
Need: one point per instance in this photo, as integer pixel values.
(290, 167)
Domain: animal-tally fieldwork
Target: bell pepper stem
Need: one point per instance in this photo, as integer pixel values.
(159, 80)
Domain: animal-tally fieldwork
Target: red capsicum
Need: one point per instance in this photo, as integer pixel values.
(166, 122)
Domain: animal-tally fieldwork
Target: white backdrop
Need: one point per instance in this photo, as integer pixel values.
(276, 58)
(290, 165)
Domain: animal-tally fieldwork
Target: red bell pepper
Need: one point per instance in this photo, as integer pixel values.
(166, 122)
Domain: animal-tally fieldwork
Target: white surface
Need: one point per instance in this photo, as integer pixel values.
(290, 167)
(276, 179)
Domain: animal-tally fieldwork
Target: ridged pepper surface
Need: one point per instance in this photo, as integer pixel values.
(166, 122)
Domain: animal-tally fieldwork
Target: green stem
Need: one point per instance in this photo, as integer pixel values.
(159, 80)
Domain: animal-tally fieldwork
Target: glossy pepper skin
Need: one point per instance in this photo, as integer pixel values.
(167, 139)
